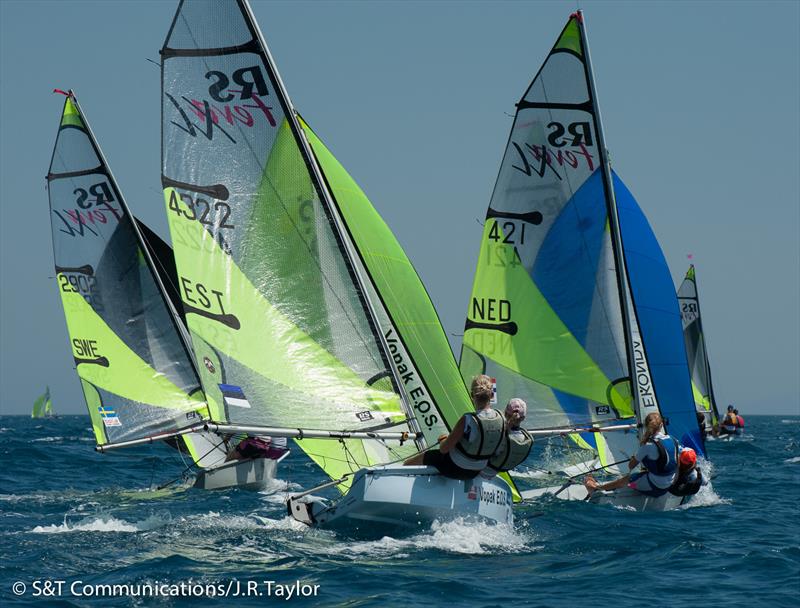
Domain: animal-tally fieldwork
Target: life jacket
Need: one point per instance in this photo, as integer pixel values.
(667, 462)
(484, 443)
(685, 487)
(512, 451)
(740, 421)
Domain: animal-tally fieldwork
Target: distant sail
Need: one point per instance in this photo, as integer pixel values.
(285, 329)
(545, 315)
(136, 374)
(659, 318)
(696, 351)
(43, 406)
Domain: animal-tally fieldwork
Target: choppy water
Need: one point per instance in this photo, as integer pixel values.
(70, 514)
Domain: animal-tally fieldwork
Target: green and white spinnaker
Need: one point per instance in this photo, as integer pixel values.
(43, 406)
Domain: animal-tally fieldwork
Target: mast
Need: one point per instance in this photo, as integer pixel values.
(181, 329)
(337, 222)
(616, 233)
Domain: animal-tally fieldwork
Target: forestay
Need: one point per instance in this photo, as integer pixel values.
(136, 374)
(545, 317)
(291, 316)
(696, 352)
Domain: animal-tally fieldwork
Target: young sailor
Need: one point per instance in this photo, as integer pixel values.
(739, 422)
(658, 454)
(515, 446)
(466, 450)
(258, 447)
(690, 477)
(729, 423)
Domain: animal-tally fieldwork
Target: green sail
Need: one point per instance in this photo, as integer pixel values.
(135, 371)
(429, 371)
(43, 406)
(272, 297)
(696, 352)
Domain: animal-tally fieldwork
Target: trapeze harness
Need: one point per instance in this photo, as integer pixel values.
(664, 466)
(478, 447)
(512, 451)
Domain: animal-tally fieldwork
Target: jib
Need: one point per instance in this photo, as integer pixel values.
(101, 193)
(247, 78)
(581, 133)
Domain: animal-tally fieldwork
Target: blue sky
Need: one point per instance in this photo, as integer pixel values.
(700, 107)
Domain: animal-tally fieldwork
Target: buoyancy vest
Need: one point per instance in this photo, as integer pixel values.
(740, 421)
(667, 462)
(684, 486)
(512, 451)
(491, 428)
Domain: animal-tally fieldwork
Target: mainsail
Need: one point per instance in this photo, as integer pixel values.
(43, 406)
(135, 370)
(288, 300)
(552, 315)
(696, 351)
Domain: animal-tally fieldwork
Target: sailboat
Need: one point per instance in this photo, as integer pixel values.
(696, 352)
(128, 344)
(303, 310)
(43, 406)
(572, 298)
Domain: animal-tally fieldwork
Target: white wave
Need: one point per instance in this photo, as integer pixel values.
(47, 439)
(102, 524)
(790, 421)
(456, 536)
(4, 429)
(278, 490)
(792, 460)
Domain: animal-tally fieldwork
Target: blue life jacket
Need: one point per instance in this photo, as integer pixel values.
(667, 461)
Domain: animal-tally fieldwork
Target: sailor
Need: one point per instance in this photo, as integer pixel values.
(465, 452)
(515, 446)
(658, 454)
(739, 422)
(729, 423)
(690, 477)
(258, 447)
(701, 422)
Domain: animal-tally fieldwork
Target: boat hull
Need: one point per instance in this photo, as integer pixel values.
(253, 474)
(627, 498)
(407, 498)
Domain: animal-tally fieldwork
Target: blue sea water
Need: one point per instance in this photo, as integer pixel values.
(67, 513)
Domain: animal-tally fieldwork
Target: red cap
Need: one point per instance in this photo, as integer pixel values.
(688, 458)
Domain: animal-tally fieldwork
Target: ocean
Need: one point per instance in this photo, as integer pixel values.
(92, 521)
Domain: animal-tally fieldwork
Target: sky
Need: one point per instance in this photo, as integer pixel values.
(700, 103)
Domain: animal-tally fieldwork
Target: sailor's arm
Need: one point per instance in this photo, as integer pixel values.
(453, 438)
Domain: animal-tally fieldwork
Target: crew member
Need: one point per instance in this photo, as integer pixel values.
(739, 422)
(690, 477)
(466, 450)
(729, 423)
(658, 454)
(515, 446)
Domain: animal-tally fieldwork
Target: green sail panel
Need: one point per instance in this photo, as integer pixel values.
(282, 330)
(414, 332)
(545, 316)
(135, 371)
(43, 406)
(696, 351)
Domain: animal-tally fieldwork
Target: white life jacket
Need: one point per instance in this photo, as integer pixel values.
(512, 451)
(491, 427)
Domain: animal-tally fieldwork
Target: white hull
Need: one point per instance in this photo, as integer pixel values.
(624, 497)
(406, 497)
(254, 474)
